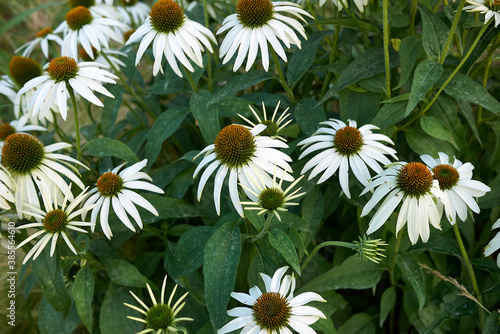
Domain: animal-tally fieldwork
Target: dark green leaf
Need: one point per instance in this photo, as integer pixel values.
(375, 84)
(361, 107)
(486, 264)
(434, 33)
(302, 59)
(387, 303)
(255, 219)
(124, 273)
(436, 128)
(360, 323)
(426, 75)
(83, 292)
(411, 272)
(49, 274)
(409, 51)
(441, 245)
(238, 83)
(282, 243)
(189, 249)
(51, 321)
(220, 264)
(312, 210)
(206, 115)
(167, 208)
(492, 324)
(110, 110)
(106, 147)
(366, 65)
(422, 143)
(308, 115)
(390, 114)
(349, 23)
(113, 318)
(232, 106)
(168, 122)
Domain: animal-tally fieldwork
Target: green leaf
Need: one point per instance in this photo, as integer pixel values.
(426, 75)
(124, 273)
(282, 243)
(51, 321)
(486, 264)
(461, 87)
(492, 324)
(255, 219)
(421, 143)
(349, 23)
(360, 323)
(113, 318)
(220, 264)
(361, 107)
(106, 147)
(110, 110)
(167, 207)
(168, 122)
(366, 65)
(390, 114)
(446, 110)
(206, 115)
(189, 249)
(240, 82)
(49, 274)
(313, 209)
(308, 115)
(470, 118)
(387, 303)
(232, 106)
(441, 245)
(351, 274)
(409, 51)
(302, 59)
(434, 33)
(436, 128)
(411, 272)
(83, 292)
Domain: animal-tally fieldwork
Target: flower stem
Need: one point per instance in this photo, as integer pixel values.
(324, 244)
(385, 9)
(454, 25)
(470, 269)
(487, 65)
(191, 80)
(264, 230)
(399, 236)
(77, 127)
(281, 78)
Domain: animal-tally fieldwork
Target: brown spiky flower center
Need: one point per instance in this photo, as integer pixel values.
(166, 16)
(254, 13)
(83, 3)
(78, 17)
(415, 179)
(24, 69)
(348, 140)
(271, 199)
(109, 184)
(55, 221)
(271, 311)
(44, 32)
(85, 56)
(62, 69)
(234, 146)
(22, 153)
(160, 316)
(127, 34)
(446, 175)
(6, 130)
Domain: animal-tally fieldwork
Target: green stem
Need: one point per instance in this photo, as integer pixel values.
(324, 244)
(470, 269)
(77, 127)
(385, 9)
(361, 27)
(61, 134)
(281, 78)
(264, 230)
(487, 64)
(413, 13)
(399, 236)
(422, 112)
(333, 53)
(205, 12)
(191, 80)
(454, 25)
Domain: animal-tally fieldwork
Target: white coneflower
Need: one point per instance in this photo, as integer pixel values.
(490, 9)
(18, 126)
(494, 244)
(133, 12)
(55, 221)
(242, 154)
(63, 74)
(345, 147)
(161, 317)
(31, 163)
(7, 188)
(413, 184)
(455, 180)
(273, 127)
(42, 38)
(116, 190)
(275, 311)
(100, 57)
(257, 23)
(360, 4)
(174, 35)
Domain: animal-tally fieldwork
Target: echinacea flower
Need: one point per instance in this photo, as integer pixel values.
(42, 38)
(64, 75)
(413, 184)
(340, 4)
(7, 188)
(494, 244)
(23, 69)
(369, 249)
(174, 35)
(7, 88)
(100, 57)
(31, 163)
(18, 126)
(241, 153)
(55, 221)
(88, 30)
(257, 23)
(272, 199)
(488, 7)
(161, 317)
(276, 310)
(116, 190)
(345, 146)
(133, 12)
(455, 180)
(273, 127)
